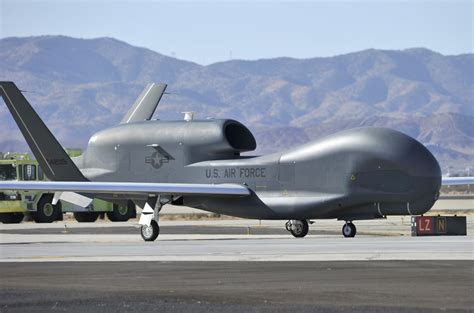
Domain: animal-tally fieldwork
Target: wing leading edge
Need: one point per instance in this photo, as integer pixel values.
(129, 188)
(453, 181)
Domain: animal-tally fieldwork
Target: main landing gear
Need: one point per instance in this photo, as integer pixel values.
(150, 230)
(298, 228)
(150, 233)
(349, 230)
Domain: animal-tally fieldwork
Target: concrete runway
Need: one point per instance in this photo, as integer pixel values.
(375, 286)
(233, 266)
(232, 240)
(109, 248)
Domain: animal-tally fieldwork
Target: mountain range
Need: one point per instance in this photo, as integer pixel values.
(80, 86)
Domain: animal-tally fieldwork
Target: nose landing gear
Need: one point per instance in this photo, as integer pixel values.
(349, 230)
(298, 228)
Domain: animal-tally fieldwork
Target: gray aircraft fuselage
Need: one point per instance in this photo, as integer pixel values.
(355, 174)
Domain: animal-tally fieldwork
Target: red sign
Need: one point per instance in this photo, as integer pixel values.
(424, 225)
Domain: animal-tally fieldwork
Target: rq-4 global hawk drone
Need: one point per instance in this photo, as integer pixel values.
(358, 174)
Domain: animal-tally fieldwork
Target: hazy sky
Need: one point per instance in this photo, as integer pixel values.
(210, 31)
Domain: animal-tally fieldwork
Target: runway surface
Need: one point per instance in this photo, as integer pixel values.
(234, 240)
(376, 286)
(34, 248)
(233, 266)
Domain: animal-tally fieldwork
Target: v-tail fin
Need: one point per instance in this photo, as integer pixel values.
(146, 104)
(55, 162)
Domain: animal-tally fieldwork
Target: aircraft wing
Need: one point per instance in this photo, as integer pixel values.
(452, 181)
(129, 188)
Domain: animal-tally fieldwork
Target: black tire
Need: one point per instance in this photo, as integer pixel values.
(150, 233)
(300, 228)
(122, 213)
(86, 217)
(11, 218)
(349, 230)
(288, 226)
(46, 212)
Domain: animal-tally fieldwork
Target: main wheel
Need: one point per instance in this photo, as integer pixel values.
(11, 218)
(150, 233)
(288, 226)
(86, 217)
(122, 213)
(349, 230)
(46, 212)
(299, 228)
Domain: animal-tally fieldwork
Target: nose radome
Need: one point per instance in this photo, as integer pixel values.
(419, 163)
(409, 154)
(410, 175)
(403, 163)
(426, 181)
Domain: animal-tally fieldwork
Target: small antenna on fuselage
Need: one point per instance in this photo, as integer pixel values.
(188, 116)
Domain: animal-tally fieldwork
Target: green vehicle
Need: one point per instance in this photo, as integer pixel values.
(15, 205)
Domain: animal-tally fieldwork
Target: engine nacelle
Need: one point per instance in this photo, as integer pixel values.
(128, 146)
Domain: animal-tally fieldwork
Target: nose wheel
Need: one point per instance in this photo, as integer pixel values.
(298, 228)
(349, 230)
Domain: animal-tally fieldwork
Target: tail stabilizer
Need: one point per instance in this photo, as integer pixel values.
(55, 162)
(146, 104)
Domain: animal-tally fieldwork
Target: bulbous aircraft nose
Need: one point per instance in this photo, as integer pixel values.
(424, 168)
(370, 166)
(425, 174)
(412, 174)
(399, 172)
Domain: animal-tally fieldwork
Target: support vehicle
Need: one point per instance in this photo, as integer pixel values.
(14, 205)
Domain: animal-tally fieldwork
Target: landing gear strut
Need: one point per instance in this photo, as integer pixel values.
(349, 230)
(150, 229)
(298, 228)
